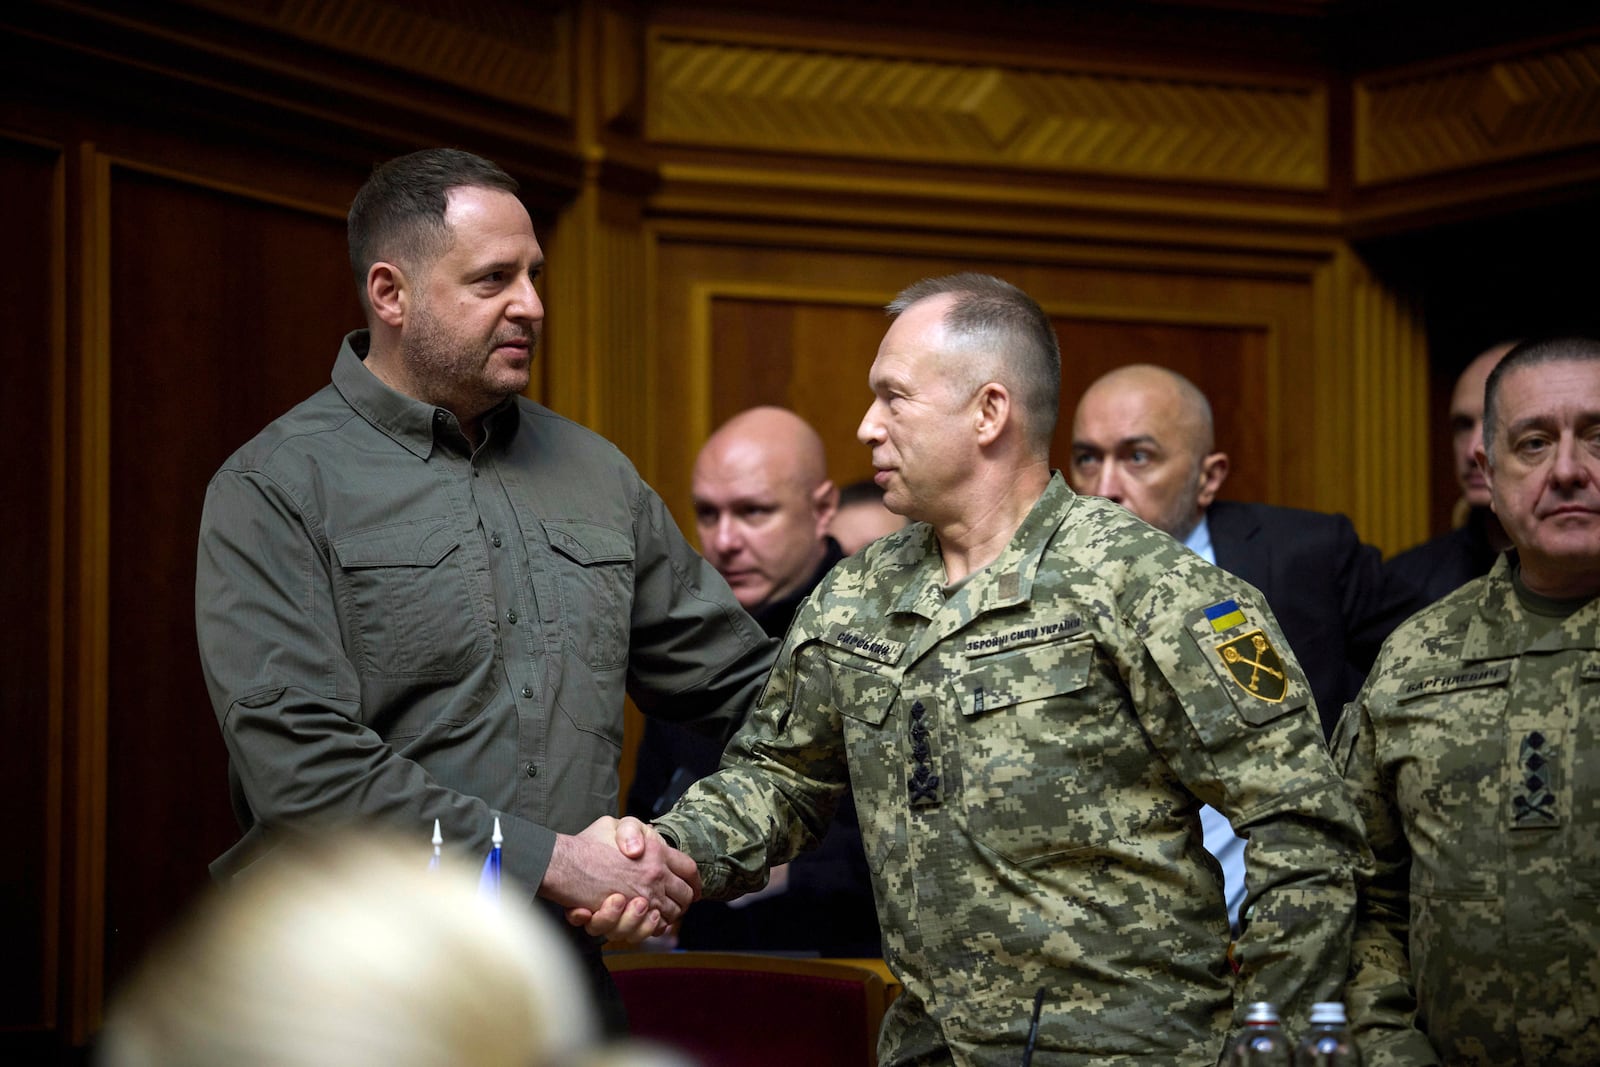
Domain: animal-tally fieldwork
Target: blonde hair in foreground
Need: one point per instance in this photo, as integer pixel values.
(352, 953)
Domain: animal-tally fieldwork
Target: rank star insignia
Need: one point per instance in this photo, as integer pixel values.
(1256, 666)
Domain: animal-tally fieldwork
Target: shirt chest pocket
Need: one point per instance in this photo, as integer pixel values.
(407, 595)
(593, 566)
(1039, 751)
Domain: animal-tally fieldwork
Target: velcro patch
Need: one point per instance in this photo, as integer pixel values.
(871, 646)
(1470, 677)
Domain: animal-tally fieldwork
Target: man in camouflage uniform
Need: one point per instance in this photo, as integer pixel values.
(1474, 753)
(1032, 693)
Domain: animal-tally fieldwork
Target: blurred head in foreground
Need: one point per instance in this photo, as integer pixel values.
(351, 952)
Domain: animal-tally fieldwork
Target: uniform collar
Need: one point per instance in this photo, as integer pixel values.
(1500, 627)
(1005, 582)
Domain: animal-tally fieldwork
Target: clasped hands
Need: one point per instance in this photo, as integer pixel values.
(620, 879)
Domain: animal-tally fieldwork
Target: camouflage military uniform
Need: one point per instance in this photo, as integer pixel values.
(1029, 755)
(1474, 754)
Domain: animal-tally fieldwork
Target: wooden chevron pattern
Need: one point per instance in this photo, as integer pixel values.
(1424, 124)
(505, 49)
(726, 94)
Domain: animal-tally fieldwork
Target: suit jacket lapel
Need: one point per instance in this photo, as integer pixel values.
(1239, 549)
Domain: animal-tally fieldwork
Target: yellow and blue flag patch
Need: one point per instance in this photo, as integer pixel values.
(1224, 616)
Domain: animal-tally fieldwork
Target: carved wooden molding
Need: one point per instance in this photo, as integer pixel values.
(514, 52)
(754, 96)
(1416, 124)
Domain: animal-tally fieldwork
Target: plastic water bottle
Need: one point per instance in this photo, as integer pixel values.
(1327, 1041)
(1262, 1043)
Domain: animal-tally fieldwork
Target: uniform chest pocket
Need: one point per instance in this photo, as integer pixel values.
(1033, 738)
(863, 694)
(407, 593)
(593, 565)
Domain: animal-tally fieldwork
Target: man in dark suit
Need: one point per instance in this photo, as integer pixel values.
(1143, 436)
(1453, 559)
(763, 505)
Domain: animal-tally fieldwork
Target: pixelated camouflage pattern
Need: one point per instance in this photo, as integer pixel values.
(1473, 753)
(1075, 712)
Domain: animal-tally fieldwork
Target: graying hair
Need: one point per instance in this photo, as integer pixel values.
(992, 318)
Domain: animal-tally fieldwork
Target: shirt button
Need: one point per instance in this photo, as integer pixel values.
(511, 616)
(527, 690)
(533, 771)
(495, 540)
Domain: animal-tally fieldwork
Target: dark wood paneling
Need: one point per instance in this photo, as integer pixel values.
(30, 758)
(227, 311)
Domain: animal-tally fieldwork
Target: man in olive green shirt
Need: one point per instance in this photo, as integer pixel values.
(1031, 694)
(420, 596)
(1474, 754)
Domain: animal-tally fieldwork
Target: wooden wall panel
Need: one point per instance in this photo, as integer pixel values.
(826, 100)
(1469, 112)
(228, 309)
(31, 772)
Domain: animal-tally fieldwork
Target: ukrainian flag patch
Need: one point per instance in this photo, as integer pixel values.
(1224, 616)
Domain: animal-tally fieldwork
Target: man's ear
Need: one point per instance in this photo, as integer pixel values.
(993, 411)
(388, 293)
(1213, 472)
(824, 505)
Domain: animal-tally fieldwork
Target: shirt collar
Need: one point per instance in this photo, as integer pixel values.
(413, 424)
(1199, 541)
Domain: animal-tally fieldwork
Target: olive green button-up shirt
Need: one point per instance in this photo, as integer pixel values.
(1029, 754)
(1474, 755)
(394, 627)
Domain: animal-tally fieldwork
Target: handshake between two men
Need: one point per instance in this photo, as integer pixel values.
(643, 885)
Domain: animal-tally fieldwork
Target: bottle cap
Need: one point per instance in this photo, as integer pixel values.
(1327, 1011)
(1261, 1012)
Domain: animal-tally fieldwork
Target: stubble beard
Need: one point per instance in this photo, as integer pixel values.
(450, 372)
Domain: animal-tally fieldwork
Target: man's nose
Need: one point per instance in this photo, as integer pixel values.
(725, 537)
(1108, 483)
(1573, 464)
(870, 431)
(525, 305)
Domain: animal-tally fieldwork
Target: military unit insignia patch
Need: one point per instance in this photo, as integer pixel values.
(1255, 665)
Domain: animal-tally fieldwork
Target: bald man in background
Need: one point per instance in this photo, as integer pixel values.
(1451, 560)
(762, 506)
(1143, 436)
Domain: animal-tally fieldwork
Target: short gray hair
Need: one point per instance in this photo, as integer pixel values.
(995, 318)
